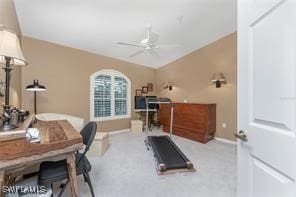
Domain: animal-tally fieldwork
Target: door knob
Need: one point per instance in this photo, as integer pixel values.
(241, 135)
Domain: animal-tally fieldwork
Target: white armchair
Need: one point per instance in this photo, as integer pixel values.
(77, 122)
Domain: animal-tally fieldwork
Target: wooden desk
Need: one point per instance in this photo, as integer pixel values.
(58, 138)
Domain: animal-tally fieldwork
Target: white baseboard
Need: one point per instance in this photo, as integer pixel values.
(225, 140)
(119, 131)
(216, 138)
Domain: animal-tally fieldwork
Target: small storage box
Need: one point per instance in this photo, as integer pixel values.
(100, 144)
(137, 126)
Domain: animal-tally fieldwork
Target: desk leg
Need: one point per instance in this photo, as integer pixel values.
(72, 174)
(2, 182)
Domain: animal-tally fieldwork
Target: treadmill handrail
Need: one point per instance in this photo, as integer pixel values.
(160, 101)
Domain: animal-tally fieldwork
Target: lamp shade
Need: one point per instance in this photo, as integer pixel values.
(35, 86)
(10, 47)
(218, 77)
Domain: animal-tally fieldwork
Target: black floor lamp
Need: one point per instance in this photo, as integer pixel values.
(35, 87)
(10, 54)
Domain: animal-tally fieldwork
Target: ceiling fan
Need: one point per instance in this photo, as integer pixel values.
(148, 44)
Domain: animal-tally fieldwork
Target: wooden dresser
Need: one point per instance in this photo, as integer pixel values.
(191, 120)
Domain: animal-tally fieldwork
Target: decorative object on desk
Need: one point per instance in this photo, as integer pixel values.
(144, 89)
(19, 132)
(169, 86)
(138, 92)
(14, 117)
(150, 87)
(36, 87)
(10, 54)
(32, 135)
(22, 114)
(218, 79)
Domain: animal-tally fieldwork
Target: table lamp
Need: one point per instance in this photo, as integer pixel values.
(35, 87)
(10, 54)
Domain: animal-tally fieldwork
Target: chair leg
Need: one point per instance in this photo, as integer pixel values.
(63, 189)
(85, 179)
(51, 186)
(86, 175)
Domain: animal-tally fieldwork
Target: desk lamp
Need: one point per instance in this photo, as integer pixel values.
(36, 87)
(10, 54)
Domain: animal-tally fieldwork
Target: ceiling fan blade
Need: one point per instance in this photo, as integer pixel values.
(137, 53)
(166, 45)
(128, 44)
(153, 53)
(149, 32)
(154, 37)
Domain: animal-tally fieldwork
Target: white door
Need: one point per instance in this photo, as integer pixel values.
(267, 98)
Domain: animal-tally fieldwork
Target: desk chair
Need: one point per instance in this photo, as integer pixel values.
(54, 171)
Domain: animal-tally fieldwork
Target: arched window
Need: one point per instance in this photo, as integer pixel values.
(110, 95)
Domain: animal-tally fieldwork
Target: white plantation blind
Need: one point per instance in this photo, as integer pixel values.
(110, 95)
(120, 96)
(102, 96)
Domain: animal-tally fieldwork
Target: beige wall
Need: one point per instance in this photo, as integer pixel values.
(191, 77)
(66, 71)
(66, 74)
(9, 20)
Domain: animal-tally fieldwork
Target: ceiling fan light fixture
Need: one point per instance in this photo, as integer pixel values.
(144, 41)
(148, 44)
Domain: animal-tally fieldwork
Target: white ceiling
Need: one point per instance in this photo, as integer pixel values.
(96, 25)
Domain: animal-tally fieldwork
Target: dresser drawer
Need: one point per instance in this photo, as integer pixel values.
(192, 121)
(196, 136)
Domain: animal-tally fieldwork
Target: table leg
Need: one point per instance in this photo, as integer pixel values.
(72, 174)
(2, 182)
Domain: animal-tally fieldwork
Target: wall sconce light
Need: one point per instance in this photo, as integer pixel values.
(168, 86)
(218, 78)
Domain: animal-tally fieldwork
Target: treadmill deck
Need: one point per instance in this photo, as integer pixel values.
(168, 155)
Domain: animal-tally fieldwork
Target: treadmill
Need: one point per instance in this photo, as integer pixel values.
(167, 153)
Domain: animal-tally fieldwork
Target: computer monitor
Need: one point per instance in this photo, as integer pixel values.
(140, 103)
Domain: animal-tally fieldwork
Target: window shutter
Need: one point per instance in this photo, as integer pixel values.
(102, 96)
(110, 95)
(120, 96)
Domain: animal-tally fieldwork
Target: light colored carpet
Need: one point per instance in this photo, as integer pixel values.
(127, 169)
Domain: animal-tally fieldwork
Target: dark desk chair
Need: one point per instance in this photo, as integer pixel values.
(54, 171)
